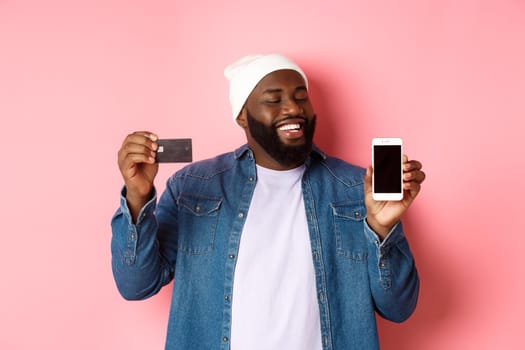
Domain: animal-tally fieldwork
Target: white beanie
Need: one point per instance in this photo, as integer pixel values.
(246, 73)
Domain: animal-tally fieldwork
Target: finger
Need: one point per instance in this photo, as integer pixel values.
(412, 187)
(142, 138)
(132, 160)
(417, 176)
(134, 148)
(147, 134)
(133, 153)
(412, 165)
(421, 176)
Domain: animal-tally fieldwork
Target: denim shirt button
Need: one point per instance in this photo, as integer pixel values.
(241, 215)
(231, 256)
(250, 179)
(226, 297)
(225, 339)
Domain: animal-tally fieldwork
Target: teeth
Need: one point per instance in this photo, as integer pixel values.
(290, 127)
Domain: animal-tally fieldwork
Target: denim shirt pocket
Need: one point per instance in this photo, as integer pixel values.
(198, 217)
(348, 227)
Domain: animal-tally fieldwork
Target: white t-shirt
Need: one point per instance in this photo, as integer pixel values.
(274, 303)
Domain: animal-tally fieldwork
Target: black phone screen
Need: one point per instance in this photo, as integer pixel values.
(387, 169)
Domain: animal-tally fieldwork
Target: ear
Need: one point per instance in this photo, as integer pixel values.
(242, 119)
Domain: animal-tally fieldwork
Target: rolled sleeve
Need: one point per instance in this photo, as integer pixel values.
(395, 282)
(125, 232)
(136, 264)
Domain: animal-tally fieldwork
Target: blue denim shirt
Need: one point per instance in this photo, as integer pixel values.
(192, 237)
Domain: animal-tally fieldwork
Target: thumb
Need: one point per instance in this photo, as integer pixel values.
(368, 180)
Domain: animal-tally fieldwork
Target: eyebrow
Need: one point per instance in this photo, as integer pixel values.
(277, 90)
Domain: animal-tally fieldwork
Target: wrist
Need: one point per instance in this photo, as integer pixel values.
(136, 201)
(138, 192)
(380, 230)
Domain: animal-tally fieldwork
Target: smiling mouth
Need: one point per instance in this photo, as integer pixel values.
(290, 127)
(291, 130)
(291, 124)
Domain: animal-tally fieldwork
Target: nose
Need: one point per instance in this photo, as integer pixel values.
(291, 107)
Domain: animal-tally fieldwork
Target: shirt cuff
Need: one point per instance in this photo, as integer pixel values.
(148, 208)
(374, 238)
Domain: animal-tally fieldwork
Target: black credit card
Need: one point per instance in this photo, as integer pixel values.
(174, 151)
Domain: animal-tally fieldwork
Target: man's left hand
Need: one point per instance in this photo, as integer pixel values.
(383, 215)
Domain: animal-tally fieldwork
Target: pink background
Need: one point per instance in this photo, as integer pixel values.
(77, 76)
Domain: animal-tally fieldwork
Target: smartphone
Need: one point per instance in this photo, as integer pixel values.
(174, 151)
(387, 164)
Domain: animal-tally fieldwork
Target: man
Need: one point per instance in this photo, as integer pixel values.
(273, 246)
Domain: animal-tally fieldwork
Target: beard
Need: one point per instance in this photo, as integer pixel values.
(268, 138)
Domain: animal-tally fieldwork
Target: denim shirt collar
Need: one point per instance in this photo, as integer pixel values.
(315, 153)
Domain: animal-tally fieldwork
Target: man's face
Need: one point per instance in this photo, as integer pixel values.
(279, 120)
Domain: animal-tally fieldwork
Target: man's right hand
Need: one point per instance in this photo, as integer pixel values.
(136, 161)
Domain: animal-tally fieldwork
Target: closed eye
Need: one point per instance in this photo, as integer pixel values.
(301, 95)
(301, 99)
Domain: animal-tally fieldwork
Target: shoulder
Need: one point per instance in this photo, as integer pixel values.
(337, 168)
(208, 168)
(211, 167)
(337, 164)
